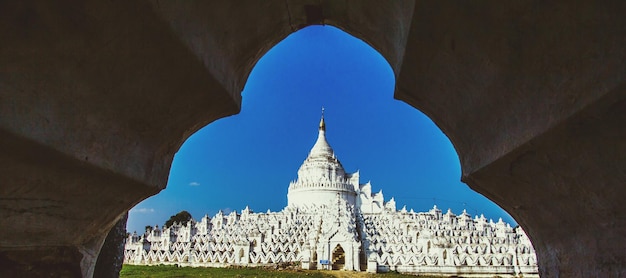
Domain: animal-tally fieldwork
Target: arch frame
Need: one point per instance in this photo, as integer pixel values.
(534, 106)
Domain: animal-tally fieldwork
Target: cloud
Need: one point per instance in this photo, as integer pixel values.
(194, 183)
(144, 210)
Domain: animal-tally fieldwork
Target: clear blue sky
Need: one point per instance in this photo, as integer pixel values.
(250, 158)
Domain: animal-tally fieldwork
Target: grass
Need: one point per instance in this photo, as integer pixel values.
(161, 271)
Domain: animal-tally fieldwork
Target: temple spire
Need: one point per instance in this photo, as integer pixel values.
(321, 147)
(322, 124)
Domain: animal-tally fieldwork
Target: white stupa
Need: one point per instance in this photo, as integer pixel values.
(321, 178)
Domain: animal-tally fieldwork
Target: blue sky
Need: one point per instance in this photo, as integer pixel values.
(250, 158)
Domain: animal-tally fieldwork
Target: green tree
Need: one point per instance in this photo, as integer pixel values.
(182, 217)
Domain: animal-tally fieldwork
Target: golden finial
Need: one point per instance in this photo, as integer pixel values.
(322, 124)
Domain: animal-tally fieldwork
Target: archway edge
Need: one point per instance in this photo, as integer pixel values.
(229, 49)
(513, 86)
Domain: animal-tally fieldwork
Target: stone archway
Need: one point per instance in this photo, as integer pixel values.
(338, 258)
(97, 97)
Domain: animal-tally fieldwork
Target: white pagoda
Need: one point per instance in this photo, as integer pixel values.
(332, 221)
(322, 180)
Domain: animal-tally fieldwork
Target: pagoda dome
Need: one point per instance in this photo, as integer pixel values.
(321, 177)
